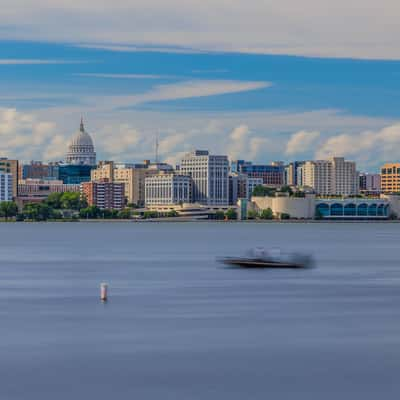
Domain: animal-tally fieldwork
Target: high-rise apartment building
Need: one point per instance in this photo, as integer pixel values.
(390, 178)
(370, 183)
(167, 189)
(292, 177)
(104, 194)
(11, 167)
(331, 177)
(6, 186)
(209, 173)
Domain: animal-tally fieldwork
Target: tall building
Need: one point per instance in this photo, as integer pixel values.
(370, 183)
(390, 178)
(6, 186)
(272, 175)
(11, 167)
(331, 177)
(104, 194)
(292, 177)
(131, 175)
(167, 189)
(238, 187)
(81, 149)
(38, 170)
(74, 174)
(209, 173)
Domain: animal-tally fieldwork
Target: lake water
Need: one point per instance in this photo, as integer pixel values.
(180, 326)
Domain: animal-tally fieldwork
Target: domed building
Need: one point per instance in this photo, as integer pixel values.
(81, 149)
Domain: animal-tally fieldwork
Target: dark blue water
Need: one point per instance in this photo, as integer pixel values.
(179, 326)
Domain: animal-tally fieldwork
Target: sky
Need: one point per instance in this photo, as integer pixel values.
(257, 80)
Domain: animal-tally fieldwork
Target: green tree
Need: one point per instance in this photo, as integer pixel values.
(252, 214)
(91, 212)
(285, 216)
(150, 214)
(37, 211)
(72, 201)
(231, 214)
(125, 213)
(172, 213)
(266, 214)
(263, 191)
(54, 200)
(219, 215)
(286, 189)
(8, 209)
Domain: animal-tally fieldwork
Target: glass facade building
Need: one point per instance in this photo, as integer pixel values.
(74, 174)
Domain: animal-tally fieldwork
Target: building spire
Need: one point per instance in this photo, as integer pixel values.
(82, 128)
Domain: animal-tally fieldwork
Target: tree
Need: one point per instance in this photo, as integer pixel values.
(37, 211)
(125, 213)
(172, 213)
(91, 212)
(252, 214)
(150, 214)
(72, 201)
(266, 214)
(286, 189)
(285, 216)
(54, 200)
(8, 209)
(219, 215)
(263, 191)
(231, 214)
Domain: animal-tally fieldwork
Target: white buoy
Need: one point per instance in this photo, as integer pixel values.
(103, 291)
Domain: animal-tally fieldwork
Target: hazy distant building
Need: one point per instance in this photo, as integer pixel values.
(104, 194)
(81, 149)
(390, 178)
(38, 170)
(11, 167)
(209, 173)
(370, 183)
(167, 189)
(331, 177)
(35, 189)
(6, 186)
(238, 187)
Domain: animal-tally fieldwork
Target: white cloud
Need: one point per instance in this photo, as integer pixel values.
(307, 27)
(239, 141)
(301, 142)
(367, 147)
(123, 76)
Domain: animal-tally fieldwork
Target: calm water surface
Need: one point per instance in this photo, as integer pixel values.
(179, 326)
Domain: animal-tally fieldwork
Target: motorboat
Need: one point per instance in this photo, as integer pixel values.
(273, 258)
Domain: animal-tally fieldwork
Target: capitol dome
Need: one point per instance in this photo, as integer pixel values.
(81, 149)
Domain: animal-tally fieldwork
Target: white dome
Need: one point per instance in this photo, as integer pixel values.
(81, 138)
(81, 149)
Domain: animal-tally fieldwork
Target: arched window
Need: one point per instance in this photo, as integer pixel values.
(336, 209)
(362, 209)
(380, 210)
(372, 210)
(322, 209)
(350, 209)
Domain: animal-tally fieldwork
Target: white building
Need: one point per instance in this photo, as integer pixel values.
(81, 149)
(167, 189)
(370, 183)
(6, 186)
(209, 173)
(331, 177)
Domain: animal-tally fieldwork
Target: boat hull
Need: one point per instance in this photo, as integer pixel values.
(254, 263)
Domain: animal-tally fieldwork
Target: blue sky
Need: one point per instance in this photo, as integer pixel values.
(298, 93)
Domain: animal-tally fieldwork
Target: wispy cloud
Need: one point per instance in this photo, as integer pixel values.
(28, 61)
(123, 76)
(301, 142)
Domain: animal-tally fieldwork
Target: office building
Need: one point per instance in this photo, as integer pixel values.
(40, 188)
(167, 189)
(6, 186)
(390, 178)
(331, 177)
(252, 183)
(81, 149)
(292, 177)
(209, 173)
(131, 175)
(238, 187)
(11, 167)
(38, 170)
(74, 174)
(273, 175)
(370, 184)
(104, 194)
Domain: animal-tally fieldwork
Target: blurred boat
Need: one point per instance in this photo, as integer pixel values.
(273, 258)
